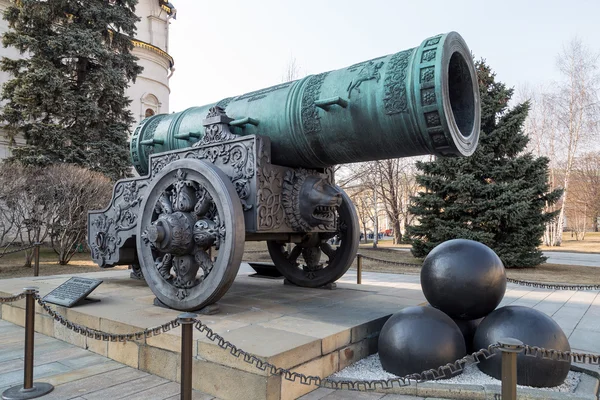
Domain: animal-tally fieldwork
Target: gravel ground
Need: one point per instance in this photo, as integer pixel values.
(370, 368)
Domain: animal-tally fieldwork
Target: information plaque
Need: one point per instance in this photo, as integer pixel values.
(72, 291)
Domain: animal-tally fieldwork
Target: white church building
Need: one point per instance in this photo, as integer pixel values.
(150, 92)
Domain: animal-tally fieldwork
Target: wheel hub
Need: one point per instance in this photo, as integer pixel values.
(172, 233)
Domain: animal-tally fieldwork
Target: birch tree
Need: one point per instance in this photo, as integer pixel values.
(576, 109)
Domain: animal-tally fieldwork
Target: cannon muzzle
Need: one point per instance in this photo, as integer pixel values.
(423, 100)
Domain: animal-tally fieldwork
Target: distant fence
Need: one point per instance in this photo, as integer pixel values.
(36, 255)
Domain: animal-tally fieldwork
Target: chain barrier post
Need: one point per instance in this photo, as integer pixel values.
(36, 258)
(29, 390)
(187, 338)
(359, 268)
(510, 348)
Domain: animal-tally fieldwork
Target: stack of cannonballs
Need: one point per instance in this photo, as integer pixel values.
(464, 281)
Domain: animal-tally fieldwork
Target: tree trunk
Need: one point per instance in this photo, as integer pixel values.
(376, 221)
(397, 232)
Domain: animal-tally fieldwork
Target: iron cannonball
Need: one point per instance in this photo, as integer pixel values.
(417, 339)
(533, 328)
(468, 327)
(463, 278)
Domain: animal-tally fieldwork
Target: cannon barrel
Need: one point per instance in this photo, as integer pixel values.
(424, 100)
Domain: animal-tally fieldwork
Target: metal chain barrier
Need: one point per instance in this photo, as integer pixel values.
(552, 285)
(431, 374)
(541, 285)
(105, 336)
(255, 251)
(508, 347)
(390, 262)
(581, 358)
(15, 297)
(6, 253)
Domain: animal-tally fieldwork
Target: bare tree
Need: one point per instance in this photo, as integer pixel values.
(30, 205)
(394, 183)
(542, 128)
(75, 191)
(563, 121)
(37, 204)
(576, 109)
(584, 209)
(9, 223)
(292, 71)
(361, 197)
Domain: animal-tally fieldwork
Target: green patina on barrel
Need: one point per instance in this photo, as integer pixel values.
(419, 101)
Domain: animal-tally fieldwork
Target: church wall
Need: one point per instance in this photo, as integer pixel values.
(151, 89)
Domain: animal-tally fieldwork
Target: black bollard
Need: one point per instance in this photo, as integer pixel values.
(187, 338)
(358, 268)
(510, 348)
(29, 389)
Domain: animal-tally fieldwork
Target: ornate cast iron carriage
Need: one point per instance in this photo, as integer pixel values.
(259, 167)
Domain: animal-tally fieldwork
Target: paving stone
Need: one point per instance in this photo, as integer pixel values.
(352, 395)
(83, 372)
(11, 365)
(44, 324)
(126, 389)
(587, 385)
(322, 367)
(124, 352)
(466, 392)
(589, 322)
(97, 346)
(94, 383)
(357, 351)
(317, 394)
(58, 355)
(231, 383)
(160, 362)
(584, 339)
(285, 349)
(67, 335)
(86, 360)
(13, 314)
(39, 372)
(333, 336)
(196, 395)
(17, 351)
(368, 329)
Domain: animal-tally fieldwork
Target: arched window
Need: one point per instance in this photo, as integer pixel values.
(150, 105)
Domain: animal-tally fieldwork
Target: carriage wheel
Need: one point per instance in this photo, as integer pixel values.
(303, 264)
(191, 234)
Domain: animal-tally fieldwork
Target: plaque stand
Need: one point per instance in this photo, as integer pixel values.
(73, 292)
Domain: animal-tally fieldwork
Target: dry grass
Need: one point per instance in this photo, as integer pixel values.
(11, 266)
(591, 244)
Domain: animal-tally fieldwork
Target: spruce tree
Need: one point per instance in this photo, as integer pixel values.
(496, 196)
(67, 96)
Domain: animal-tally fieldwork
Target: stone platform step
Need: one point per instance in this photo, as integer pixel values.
(312, 331)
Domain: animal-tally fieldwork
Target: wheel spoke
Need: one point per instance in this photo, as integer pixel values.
(294, 254)
(164, 265)
(163, 205)
(328, 250)
(205, 263)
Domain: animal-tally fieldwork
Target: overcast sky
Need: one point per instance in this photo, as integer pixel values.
(229, 47)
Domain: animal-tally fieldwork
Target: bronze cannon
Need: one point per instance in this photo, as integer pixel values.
(259, 167)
